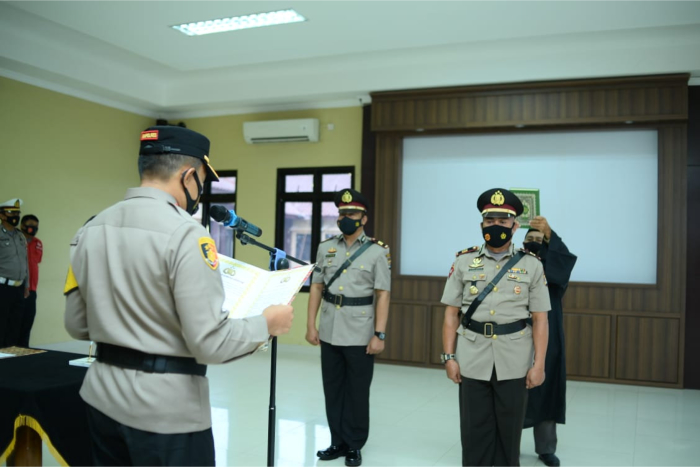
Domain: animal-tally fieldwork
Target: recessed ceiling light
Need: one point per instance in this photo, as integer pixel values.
(235, 23)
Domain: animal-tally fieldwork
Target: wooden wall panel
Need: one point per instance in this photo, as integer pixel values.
(407, 334)
(437, 314)
(581, 102)
(602, 320)
(648, 349)
(588, 345)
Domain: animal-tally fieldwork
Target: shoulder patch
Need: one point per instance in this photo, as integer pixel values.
(208, 250)
(467, 250)
(71, 282)
(378, 242)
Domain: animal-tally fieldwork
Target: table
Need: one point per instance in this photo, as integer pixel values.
(39, 400)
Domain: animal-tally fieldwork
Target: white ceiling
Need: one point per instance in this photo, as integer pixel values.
(124, 54)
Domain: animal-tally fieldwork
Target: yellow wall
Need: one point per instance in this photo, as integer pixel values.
(257, 172)
(67, 159)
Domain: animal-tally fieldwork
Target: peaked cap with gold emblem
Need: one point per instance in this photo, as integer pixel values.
(168, 139)
(499, 202)
(13, 204)
(350, 200)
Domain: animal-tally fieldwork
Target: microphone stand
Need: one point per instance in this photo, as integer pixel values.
(278, 260)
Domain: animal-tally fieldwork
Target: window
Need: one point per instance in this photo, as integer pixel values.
(222, 192)
(306, 214)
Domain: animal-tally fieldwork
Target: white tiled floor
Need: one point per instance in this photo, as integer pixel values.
(414, 418)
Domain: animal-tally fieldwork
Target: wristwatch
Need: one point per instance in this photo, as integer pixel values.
(446, 356)
(380, 335)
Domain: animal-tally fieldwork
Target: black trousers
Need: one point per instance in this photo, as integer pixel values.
(491, 415)
(115, 444)
(28, 315)
(347, 375)
(545, 434)
(11, 307)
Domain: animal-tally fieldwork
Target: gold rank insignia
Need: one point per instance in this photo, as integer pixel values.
(332, 250)
(497, 198)
(347, 197)
(473, 290)
(208, 250)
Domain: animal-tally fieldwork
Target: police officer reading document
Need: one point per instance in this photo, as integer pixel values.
(489, 349)
(144, 284)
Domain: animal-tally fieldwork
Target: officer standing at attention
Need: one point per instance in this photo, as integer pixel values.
(488, 346)
(144, 284)
(14, 273)
(546, 404)
(353, 279)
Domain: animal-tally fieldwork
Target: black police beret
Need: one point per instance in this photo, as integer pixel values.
(349, 199)
(168, 139)
(499, 202)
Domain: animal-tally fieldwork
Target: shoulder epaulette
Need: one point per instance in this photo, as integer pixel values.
(530, 253)
(334, 237)
(378, 242)
(467, 250)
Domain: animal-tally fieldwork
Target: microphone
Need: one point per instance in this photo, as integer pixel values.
(229, 218)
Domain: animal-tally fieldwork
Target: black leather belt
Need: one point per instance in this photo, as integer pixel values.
(150, 363)
(491, 329)
(342, 300)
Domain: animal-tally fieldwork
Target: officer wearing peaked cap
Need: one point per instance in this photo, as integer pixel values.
(144, 284)
(351, 285)
(489, 349)
(14, 273)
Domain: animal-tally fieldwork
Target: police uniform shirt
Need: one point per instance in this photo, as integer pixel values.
(350, 325)
(13, 256)
(522, 289)
(147, 278)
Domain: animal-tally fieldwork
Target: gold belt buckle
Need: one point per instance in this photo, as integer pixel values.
(489, 331)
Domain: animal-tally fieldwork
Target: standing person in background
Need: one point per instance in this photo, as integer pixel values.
(14, 273)
(547, 403)
(35, 250)
(353, 279)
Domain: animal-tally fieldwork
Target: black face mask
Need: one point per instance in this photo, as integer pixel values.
(13, 220)
(497, 235)
(30, 230)
(192, 204)
(349, 226)
(533, 247)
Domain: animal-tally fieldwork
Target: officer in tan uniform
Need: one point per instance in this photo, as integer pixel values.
(144, 284)
(14, 273)
(351, 284)
(489, 349)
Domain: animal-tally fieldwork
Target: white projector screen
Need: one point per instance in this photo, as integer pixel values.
(598, 190)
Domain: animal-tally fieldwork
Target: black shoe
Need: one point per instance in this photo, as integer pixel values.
(550, 459)
(333, 452)
(353, 457)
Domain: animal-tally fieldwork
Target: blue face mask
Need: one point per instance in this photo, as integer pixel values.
(349, 226)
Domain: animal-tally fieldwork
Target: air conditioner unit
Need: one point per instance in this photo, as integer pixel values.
(281, 131)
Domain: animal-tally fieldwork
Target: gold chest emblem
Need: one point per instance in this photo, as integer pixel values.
(476, 263)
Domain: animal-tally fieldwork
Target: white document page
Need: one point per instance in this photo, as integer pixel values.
(249, 290)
